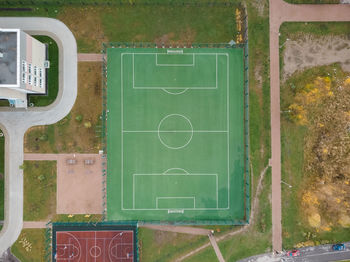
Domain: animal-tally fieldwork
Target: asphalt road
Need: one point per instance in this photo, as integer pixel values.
(322, 253)
(15, 122)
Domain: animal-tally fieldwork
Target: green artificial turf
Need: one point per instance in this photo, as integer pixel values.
(175, 134)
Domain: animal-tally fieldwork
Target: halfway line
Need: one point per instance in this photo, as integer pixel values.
(175, 131)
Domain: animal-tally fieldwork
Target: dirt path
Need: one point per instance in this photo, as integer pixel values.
(235, 232)
(89, 57)
(282, 12)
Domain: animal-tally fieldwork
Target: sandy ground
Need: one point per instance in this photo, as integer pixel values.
(79, 186)
(309, 51)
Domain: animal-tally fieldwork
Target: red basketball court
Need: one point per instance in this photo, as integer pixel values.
(94, 246)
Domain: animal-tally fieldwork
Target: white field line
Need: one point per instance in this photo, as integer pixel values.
(156, 54)
(122, 128)
(192, 64)
(228, 129)
(196, 131)
(175, 131)
(178, 197)
(175, 174)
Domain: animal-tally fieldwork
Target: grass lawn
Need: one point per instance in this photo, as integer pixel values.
(293, 30)
(295, 227)
(30, 245)
(165, 246)
(2, 175)
(149, 23)
(82, 121)
(39, 190)
(313, 1)
(52, 77)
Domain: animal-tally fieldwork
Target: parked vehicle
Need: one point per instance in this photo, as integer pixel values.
(293, 253)
(338, 247)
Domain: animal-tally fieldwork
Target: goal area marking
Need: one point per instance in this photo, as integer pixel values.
(158, 64)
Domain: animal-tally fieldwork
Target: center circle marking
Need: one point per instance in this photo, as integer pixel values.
(169, 119)
(95, 251)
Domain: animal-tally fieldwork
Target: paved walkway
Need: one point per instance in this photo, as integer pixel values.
(216, 248)
(89, 57)
(280, 12)
(34, 224)
(15, 122)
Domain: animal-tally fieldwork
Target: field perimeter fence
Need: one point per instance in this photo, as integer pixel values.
(242, 44)
(55, 3)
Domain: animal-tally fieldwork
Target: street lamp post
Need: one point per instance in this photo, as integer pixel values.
(290, 186)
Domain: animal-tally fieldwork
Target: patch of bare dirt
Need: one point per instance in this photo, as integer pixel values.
(260, 5)
(309, 51)
(186, 36)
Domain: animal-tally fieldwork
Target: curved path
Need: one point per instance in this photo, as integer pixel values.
(280, 12)
(15, 122)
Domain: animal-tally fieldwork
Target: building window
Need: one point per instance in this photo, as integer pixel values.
(41, 83)
(24, 66)
(35, 81)
(40, 72)
(29, 68)
(30, 79)
(24, 77)
(35, 70)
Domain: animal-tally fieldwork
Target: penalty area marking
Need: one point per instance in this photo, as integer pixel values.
(164, 87)
(177, 174)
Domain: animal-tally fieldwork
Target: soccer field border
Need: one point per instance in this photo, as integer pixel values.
(244, 46)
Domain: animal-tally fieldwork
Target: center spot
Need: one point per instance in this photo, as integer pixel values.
(95, 251)
(175, 131)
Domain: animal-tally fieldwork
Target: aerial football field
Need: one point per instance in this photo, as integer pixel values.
(175, 134)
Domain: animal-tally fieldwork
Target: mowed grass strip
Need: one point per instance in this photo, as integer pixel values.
(39, 190)
(52, 74)
(159, 246)
(30, 245)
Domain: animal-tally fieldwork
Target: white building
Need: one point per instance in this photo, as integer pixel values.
(22, 66)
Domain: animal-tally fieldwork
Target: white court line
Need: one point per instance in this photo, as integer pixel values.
(175, 131)
(228, 129)
(156, 54)
(176, 174)
(193, 198)
(175, 87)
(199, 131)
(192, 65)
(122, 127)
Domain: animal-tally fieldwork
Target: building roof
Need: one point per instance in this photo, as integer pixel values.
(8, 57)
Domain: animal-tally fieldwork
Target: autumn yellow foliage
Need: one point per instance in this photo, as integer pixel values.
(310, 199)
(323, 107)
